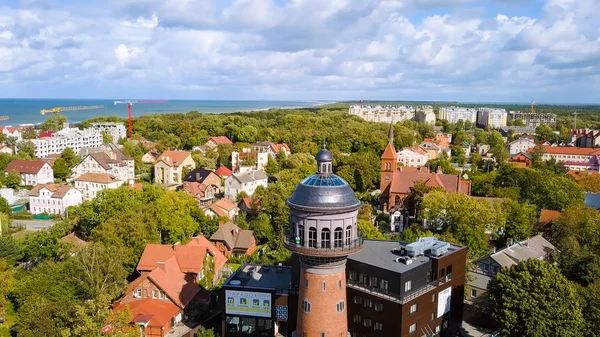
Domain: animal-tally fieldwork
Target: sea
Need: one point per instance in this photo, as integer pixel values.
(27, 111)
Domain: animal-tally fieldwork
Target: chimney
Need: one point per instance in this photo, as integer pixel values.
(197, 176)
(176, 245)
(161, 265)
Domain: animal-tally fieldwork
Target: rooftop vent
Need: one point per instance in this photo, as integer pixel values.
(404, 259)
(235, 282)
(420, 246)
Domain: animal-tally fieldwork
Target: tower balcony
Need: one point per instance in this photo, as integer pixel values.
(317, 248)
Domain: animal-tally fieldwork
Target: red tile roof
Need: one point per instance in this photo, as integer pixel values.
(390, 152)
(221, 140)
(226, 204)
(195, 189)
(403, 181)
(25, 166)
(157, 313)
(45, 134)
(173, 158)
(277, 147)
(201, 241)
(248, 202)
(223, 172)
(547, 216)
(582, 151)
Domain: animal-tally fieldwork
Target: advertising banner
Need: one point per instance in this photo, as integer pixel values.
(248, 303)
(444, 298)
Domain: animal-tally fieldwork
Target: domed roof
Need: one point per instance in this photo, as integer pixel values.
(323, 193)
(324, 155)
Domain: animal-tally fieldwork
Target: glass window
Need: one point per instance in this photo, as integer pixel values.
(340, 283)
(356, 319)
(348, 235)
(413, 328)
(325, 238)
(407, 285)
(473, 293)
(383, 284)
(413, 308)
(486, 267)
(373, 281)
(378, 326)
(433, 298)
(368, 303)
(324, 286)
(340, 307)
(357, 300)
(306, 283)
(353, 276)
(301, 234)
(306, 306)
(337, 237)
(312, 237)
(367, 322)
(449, 272)
(378, 307)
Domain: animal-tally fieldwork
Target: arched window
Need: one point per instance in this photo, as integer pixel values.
(312, 237)
(325, 238)
(337, 237)
(348, 235)
(301, 234)
(397, 200)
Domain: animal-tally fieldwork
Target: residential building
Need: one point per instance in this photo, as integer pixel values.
(6, 149)
(585, 138)
(454, 114)
(274, 302)
(516, 131)
(406, 289)
(215, 141)
(32, 172)
(248, 160)
(393, 113)
(397, 183)
(546, 221)
(443, 140)
(522, 159)
(204, 194)
(249, 204)
(90, 184)
(574, 158)
(532, 120)
(108, 162)
(223, 172)
(244, 182)
(231, 240)
(322, 233)
(10, 131)
(150, 157)
(53, 198)
(170, 166)
(492, 118)
(67, 137)
(521, 144)
(224, 208)
(271, 148)
(486, 268)
(116, 130)
(412, 156)
(432, 150)
(193, 258)
(203, 176)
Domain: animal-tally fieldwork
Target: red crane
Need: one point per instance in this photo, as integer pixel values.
(137, 101)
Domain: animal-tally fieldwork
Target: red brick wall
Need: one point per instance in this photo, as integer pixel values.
(323, 315)
(146, 286)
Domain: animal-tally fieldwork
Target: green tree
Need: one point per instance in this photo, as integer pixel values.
(533, 299)
(12, 179)
(174, 219)
(29, 133)
(7, 274)
(53, 123)
(26, 150)
(520, 218)
(70, 157)
(240, 196)
(10, 250)
(61, 169)
(205, 333)
(262, 228)
(106, 137)
(368, 230)
(272, 168)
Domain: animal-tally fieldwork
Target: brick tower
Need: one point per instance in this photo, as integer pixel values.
(389, 165)
(323, 232)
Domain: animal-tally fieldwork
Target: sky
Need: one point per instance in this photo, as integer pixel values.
(415, 50)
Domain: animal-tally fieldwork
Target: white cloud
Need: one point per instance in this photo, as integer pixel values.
(303, 49)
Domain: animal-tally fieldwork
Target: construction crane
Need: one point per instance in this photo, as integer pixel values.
(137, 101)
(71, 108)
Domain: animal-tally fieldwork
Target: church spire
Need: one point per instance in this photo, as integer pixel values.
(391, 133)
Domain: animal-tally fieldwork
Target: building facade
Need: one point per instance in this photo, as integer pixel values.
(532, 119)
(32, 172)
(110, 162)
(454, 114)
(53, 198)
(169, 167)
(248, 160)
(522, 144)
(574, 158)
(393, 113)
(323, 232)
(413, 157)
(90, 184)
(67, 137)
(585, 138)
(116, 130)
(491, 117)
(400, 289)
(244, 182)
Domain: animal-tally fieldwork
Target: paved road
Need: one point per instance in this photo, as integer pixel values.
(35, 225)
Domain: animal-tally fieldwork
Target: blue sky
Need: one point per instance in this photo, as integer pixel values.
(463, 50)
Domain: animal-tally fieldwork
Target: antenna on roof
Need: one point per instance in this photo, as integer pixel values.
(324, 146)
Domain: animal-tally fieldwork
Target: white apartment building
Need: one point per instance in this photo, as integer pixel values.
(112, 162)
(520, 145)
(32, 172)
(412, 157)
(574, 158)
(53, 198)
(240, 161)
(393, 113)
(454, 114)
(67, 137)
(116, 130)
(491, 117)
(532, 119)
(247, 182)
(90, 184)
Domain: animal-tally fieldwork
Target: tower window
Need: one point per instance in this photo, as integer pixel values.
(413, 328)
(324, 286)
(413, 308)
(325, 238)
(306, 283)
(340, 283)
(301, 234)
(312, 237)
(340, 307)
(306, 306)
(407, 285)
(348, 235)
(337, 237)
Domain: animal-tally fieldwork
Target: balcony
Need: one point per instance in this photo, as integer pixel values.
(389, 295)
(318, 250)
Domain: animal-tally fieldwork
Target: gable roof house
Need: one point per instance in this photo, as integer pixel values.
(203, 176)
(203, 193)
(246, 182)
(249, 204)
(231, 240)
(150, 156)
(486, 268)
(215, 141)
(574, 158)
(223, 208)
(223, 172)
(169, 283)
(90, 184)
(53, 198)
(546, 221)
(169, 167)
(111, 162)
(271, 148)
(32, 172)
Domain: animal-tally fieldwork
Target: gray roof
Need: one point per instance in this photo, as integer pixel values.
(250, 176)
(233, 236)
(380, 253)
(321, 192)
(324, 156)
(261, 276)
(478, 280)
(592, 200)
(533, 248)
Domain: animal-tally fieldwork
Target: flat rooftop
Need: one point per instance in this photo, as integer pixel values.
(260, 276)
(383, 254)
